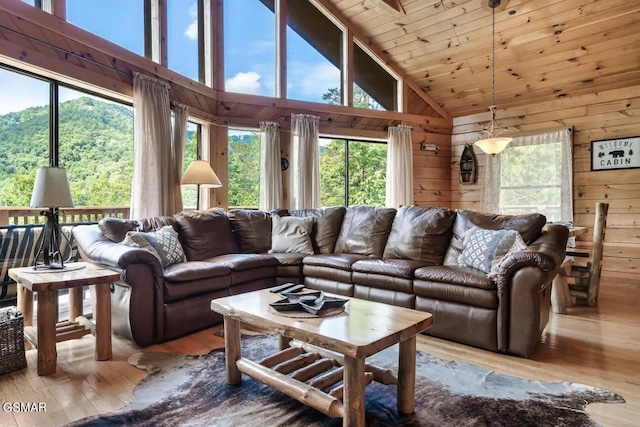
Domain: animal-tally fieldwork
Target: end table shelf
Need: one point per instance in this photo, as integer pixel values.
(48, 332)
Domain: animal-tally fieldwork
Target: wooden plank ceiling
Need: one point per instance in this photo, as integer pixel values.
(545, 49)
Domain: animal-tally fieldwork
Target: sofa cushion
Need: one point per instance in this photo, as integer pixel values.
(115, 229)
(339, 261)
(205, 234)
(467, 295)
(195, 270)
(164, 244)
(244, 261)
(252, 228)
(389, 267)
(466, 276)
(288, 258)
(291, 234)
(420, 233)
(326, 226)
(486, 249)
(365, 230)
(528, 225)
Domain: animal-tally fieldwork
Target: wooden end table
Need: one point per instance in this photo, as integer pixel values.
(344, 340)
(48, 332)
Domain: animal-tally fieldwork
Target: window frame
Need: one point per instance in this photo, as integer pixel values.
(347, 140)
(492, 188)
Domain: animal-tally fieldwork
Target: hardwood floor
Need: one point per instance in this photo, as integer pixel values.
(596, 346)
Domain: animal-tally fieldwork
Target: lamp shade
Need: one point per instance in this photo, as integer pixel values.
(493, 145)
(199, 172)
(51, 189)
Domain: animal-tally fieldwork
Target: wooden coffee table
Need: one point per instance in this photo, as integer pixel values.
(319, 344)
(48, 332)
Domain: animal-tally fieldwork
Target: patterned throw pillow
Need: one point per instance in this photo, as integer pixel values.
(486, 249)
(164, 244)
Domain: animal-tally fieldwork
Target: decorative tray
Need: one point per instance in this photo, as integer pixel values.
(311, 302)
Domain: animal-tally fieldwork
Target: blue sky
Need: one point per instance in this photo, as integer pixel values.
(249, 56)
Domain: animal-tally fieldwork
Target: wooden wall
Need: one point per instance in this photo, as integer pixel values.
(603, 115)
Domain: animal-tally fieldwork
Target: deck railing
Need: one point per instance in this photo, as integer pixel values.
(10, 215)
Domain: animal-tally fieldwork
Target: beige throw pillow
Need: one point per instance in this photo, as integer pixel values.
(291, 234)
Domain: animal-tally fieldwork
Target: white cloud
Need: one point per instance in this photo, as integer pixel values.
(244, 83)
(312, 80)
(192, 30)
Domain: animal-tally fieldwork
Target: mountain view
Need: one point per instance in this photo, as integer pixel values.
(96, 149)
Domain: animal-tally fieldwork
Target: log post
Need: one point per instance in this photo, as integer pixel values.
(232, 350)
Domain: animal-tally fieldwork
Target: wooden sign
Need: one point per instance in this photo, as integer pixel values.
(620, 153)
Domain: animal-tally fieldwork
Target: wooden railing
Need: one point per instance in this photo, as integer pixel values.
(22, 215)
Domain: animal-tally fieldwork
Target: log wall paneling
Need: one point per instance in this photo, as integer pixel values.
(601, 115)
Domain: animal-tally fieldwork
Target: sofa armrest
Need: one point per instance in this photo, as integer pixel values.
(95, 247)
(138, 298)
(547, 252)
(520, 280)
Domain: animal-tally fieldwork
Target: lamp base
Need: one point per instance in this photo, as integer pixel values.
(53, 267)
(49, 256)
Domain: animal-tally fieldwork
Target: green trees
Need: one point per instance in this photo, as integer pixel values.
(366, 163)
(244, 168)
(96, 148)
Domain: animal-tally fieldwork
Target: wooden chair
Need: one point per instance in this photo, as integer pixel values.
(586, 265)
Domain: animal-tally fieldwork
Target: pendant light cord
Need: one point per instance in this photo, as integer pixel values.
(493, 63)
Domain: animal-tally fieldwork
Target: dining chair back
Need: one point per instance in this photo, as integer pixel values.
(587, 265)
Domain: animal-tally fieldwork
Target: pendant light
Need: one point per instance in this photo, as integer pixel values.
(493, 138)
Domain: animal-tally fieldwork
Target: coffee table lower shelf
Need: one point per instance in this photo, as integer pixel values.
(323, 369)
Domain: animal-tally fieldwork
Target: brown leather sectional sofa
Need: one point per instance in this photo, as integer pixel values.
(407, 257)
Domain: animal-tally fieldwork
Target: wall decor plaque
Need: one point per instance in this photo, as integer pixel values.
(619, 153)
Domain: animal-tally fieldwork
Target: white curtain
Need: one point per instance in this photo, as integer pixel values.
(152, 193)
(399, 167)
(178, 144)
(555, 170)
(305, 162)
(270, 172)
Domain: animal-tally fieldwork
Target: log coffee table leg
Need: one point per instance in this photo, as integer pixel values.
(232, 350)
(354, 402)
(103, 321)
(47, 316)
(407, 376)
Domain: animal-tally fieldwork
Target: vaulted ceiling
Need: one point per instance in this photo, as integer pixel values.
(545, 49)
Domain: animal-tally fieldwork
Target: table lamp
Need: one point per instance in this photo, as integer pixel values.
(200, 173)
(50, 190)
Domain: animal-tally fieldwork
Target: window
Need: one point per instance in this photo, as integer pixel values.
(314, 54)
(183, 37)
(250, 47)
(373, 86)
(119, 21)
(24, 135)
(96, 148)
(36, 3)
(352, 172)
(93, 142)
(533, 174)
(194, 138)
(244, 168)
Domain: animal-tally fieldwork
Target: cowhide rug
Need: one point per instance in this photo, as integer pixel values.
(191, 391)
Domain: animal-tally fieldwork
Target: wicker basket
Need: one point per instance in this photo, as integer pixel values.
(12, 355)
